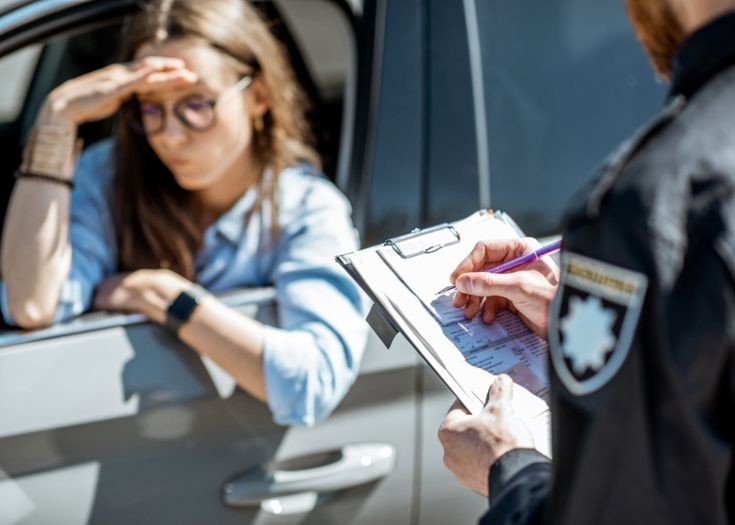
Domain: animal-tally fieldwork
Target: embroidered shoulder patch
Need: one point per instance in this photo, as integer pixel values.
(592, 321)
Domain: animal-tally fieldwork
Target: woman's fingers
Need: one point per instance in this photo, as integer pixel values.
(161, 80)
(99, 94)
(147, 81)
(156, 63)
(123, 75)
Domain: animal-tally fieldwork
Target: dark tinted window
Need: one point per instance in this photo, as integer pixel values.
(392, 187)
(450, 136)
(565, 81)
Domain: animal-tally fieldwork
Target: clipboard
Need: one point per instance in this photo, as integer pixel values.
(397, 306)
(407, 246)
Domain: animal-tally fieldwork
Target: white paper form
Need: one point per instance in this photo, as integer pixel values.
(506, 346)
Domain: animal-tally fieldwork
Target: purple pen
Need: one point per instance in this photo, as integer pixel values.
(519, 261)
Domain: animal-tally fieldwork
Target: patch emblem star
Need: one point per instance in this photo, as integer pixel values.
(588, 335)
(592, 321)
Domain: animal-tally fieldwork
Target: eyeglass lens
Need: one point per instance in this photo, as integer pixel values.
(195, 112)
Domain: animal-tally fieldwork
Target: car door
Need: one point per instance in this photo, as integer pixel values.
(108, 419)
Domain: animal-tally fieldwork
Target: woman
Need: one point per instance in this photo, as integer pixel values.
(209, 180)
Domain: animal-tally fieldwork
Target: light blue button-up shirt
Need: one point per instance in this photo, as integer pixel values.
(312, 359)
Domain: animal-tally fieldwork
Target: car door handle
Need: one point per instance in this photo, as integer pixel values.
(297, 484)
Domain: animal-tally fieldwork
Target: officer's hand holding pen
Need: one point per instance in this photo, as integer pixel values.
(527, 291)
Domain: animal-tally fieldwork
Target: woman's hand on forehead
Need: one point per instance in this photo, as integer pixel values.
(99, 94)
(159, 73)
(153, 62)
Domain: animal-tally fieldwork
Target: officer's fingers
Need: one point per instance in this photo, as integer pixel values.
(490, 308)
(545, 267)
(489, 253)
(530, 244)
(500, 397)
(457, 408)
(460, 300)
(472, 306)
(470, 263)
(507, 285)
(456, 413)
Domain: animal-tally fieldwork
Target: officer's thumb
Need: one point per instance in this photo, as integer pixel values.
(500, 396)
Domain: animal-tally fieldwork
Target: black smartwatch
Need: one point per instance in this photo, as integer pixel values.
(181, 308)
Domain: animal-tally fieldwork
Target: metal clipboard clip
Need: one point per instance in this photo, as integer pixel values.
(420, 242)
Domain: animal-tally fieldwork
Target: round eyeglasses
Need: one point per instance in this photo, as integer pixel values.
(196, 112)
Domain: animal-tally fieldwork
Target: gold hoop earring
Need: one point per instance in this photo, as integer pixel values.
(258, 124)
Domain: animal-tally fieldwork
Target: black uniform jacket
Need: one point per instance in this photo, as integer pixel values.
(642, 337)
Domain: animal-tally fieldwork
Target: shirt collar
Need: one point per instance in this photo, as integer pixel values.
(703, 54)
(232, 223)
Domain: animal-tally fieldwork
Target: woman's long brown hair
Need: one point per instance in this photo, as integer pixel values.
(157, 221)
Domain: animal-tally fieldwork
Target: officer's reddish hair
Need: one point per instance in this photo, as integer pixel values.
(659, 31)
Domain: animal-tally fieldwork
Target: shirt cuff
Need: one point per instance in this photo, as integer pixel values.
(72, 301)
(286, 377)
(511, 464)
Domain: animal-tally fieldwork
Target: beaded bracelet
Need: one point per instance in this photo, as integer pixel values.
(42, 176)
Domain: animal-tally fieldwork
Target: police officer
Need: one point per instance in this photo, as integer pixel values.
(642, 326)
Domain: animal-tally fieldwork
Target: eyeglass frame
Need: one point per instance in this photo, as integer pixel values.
(133, 104)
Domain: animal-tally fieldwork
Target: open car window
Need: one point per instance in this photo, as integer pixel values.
(317, 35)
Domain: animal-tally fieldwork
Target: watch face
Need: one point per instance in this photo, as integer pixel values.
(181, 308)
